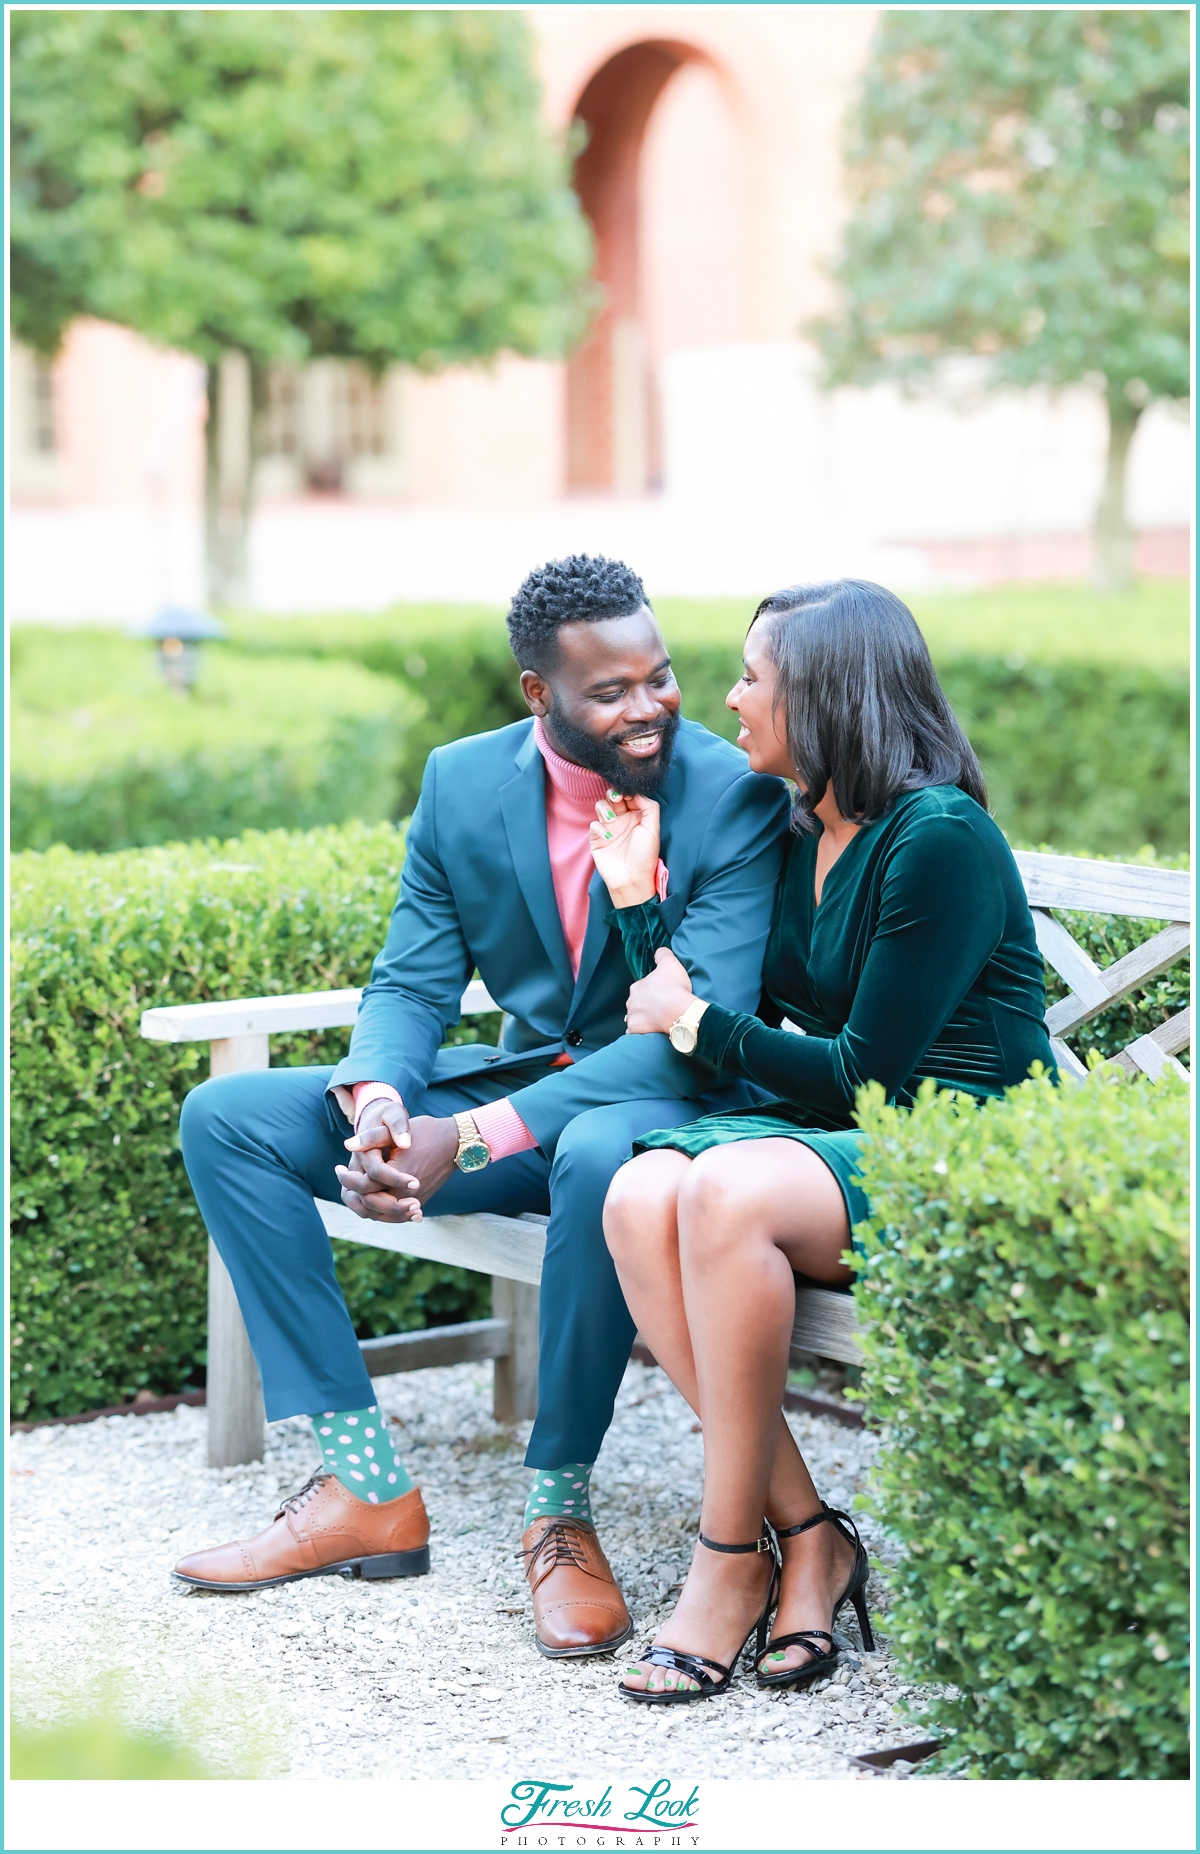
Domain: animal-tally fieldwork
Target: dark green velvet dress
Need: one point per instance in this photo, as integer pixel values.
(920, 961)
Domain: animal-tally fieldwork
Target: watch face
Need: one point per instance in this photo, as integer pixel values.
(683, 1038)
(473, 1158)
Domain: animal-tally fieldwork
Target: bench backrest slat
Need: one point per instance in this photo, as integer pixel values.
(1075, 882)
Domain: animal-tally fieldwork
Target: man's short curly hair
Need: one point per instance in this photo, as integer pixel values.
(580, 589)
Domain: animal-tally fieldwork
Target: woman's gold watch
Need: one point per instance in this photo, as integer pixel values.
(683, 1031)
(473, 1152)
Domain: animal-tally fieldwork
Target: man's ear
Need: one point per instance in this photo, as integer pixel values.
(536, 691)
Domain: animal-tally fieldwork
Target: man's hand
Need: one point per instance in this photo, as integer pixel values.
(382, 1126)
(374, 1186)
(656, 1001)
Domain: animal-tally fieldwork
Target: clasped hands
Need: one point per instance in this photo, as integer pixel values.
(396, 1163)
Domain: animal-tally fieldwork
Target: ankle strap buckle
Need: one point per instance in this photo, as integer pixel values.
(764, 1543)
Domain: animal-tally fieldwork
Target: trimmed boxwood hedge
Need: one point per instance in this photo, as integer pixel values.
(106, 757)
(108, 1251)
(1025, 1284)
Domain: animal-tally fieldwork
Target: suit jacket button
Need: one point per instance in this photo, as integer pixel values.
(574, 1038)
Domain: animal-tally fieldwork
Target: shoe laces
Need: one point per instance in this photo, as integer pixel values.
(303, 1494)
(559, 1544)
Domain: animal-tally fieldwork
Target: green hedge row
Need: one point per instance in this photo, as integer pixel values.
(1025, 1286)
(106, 757)
(1088, 756)
(108, 1250)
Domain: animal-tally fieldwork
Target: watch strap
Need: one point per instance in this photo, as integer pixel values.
(468, 1135)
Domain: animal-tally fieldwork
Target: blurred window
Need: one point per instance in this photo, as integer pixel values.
(282, 418)
(42, 426)
(364, 414)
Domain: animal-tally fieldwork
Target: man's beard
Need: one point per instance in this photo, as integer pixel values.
(637, 779)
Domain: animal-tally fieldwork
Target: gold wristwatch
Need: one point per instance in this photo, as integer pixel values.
(473, 1153)
(683, 1031)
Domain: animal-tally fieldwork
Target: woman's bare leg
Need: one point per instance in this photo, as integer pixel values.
(749, 1215)
(642, 1228)
(690, 1239)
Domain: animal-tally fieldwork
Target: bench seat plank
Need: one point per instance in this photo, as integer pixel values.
(826, 1324)
(490, 1244)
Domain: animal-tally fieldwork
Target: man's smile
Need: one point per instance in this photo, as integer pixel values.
(643, 746)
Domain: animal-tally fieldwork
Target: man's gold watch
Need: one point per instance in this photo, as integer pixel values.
(473, 1153)
(683, 1031)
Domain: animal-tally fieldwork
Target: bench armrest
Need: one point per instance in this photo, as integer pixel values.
(311, 1010)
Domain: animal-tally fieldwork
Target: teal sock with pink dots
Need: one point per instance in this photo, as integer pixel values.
(356, 1448)
(561, 1493)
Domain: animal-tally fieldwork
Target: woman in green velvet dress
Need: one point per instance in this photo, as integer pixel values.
(902, 948)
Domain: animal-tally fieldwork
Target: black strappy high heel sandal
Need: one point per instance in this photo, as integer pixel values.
(824, 1660)
(698, 1666)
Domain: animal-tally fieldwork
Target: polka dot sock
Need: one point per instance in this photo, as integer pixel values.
(355, 1446)
(565, 1492)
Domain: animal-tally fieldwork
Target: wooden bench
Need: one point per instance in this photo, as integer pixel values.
(510, 1249)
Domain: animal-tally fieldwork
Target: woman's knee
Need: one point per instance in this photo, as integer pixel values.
(714, 1201)
(640, 1205)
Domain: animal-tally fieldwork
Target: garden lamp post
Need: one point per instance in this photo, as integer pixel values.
(179, 634)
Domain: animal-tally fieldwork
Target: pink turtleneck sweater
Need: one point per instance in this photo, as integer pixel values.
(571, 796)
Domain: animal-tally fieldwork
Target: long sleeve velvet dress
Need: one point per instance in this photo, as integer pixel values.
(920, 961)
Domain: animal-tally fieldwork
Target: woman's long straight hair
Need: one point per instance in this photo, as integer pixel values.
(864, 709)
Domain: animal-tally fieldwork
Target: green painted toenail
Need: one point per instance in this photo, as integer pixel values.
(779, 1656)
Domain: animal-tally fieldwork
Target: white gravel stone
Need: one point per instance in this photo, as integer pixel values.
(431, 1677)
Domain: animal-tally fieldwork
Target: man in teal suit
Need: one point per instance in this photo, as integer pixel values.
(497, 878)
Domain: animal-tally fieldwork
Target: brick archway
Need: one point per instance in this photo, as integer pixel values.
(611, 418)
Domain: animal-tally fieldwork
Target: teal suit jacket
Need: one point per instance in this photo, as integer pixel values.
(477, 893)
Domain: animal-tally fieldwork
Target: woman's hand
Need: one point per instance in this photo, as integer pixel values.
(624, 846)
(662, 996)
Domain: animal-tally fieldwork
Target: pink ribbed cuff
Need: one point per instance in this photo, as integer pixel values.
(502, 1129)
(366, 1092)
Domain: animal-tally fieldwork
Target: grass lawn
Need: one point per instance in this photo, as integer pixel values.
(1149, 625)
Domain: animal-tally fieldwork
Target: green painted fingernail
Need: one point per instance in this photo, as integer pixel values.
(609, 812)
(608, 836)
(614, 796)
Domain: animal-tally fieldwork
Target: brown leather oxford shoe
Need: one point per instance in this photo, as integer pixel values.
(321, 1531)
(577, 1605)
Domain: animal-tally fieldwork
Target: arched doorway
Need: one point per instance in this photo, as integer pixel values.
(613, 422)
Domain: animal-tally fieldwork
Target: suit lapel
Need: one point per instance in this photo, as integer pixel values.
(523, 808)
(595, 938)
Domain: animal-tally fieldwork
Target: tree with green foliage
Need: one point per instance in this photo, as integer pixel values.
(369, 185)
(1020, 185)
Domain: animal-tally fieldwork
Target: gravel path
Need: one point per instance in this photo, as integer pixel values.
(434, 1677)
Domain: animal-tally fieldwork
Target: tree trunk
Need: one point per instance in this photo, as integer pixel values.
(235, 393)
(1112, 560)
